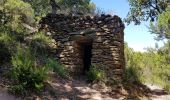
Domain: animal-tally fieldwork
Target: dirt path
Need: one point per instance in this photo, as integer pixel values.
(4, 95)
(59, 89)
(158, 93)
(62, 89)
(80, 90)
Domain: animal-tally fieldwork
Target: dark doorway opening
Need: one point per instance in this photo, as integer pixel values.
(84, 51)
(87, 55)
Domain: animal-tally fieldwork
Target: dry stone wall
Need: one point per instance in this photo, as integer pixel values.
(104, 33)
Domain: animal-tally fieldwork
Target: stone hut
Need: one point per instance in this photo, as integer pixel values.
(88, 40)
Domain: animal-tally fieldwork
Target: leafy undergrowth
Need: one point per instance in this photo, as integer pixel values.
(133, 85)
(95, 74)
(26, 74)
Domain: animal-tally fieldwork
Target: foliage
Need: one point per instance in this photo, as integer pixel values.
(164, 23)
(57, 67)
(14, 13)
(148, 67)
(6, 44)
(26, 74)
(165, 51)
(143, 10)
(152, 66)
(132, 75)
(162, 26)
(78, 6)
(132, 71)
(157, 11)
(95, 74)
(41, 7)
(44, 7)
(4, 53)
(41, 42)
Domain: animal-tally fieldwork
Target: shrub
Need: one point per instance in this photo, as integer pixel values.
(167, 87)
(41, 42)
(5, 44)
(132, 75)
(26, 74)
(95, 74)
(57, 67)
(4, 53)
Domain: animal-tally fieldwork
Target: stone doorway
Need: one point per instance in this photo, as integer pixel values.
(87, 55)
(85, 51)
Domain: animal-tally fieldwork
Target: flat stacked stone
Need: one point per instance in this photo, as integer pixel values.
(106, 35)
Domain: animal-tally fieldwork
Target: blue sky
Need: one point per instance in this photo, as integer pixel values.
(137, 37)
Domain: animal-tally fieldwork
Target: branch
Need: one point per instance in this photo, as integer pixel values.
(157, 6)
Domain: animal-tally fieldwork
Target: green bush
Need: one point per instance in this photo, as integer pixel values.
(132, 74)
(4, 53)
(167, 87)
(26, 74)
(41, 42)
(57, 67)
(95, 74)
(5, 42)
(150, 67)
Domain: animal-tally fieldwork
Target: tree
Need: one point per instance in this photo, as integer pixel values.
(78, 6)
(162, 26)
(42, 7)
(157, 11)
(143, 10)
(165, 51)
(152, 66)
(15, 12)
